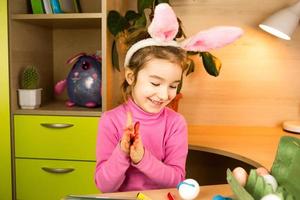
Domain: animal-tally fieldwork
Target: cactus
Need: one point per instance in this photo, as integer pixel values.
(30, 78)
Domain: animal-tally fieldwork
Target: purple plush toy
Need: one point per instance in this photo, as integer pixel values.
(83, 82)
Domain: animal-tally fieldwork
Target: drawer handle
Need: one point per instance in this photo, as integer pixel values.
(56, 125)
(58, 170)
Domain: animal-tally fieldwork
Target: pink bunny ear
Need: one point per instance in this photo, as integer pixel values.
(212, 38)
(164, 25)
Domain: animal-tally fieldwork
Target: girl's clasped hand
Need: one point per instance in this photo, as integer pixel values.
(131, 142)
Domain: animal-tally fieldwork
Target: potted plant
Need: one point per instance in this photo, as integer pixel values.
(30, 93)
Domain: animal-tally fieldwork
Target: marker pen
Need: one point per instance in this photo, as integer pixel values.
(141, 196)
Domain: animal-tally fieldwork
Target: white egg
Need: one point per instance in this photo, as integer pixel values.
(271, 197)
(269, 179)
(240, 175)
(188, 189)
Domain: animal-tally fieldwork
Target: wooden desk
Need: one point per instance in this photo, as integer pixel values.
(206, 193)
(254, 145)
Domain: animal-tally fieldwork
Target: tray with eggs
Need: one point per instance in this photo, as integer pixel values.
(281, 183)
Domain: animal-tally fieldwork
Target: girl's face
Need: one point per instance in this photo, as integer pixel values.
(156, 85)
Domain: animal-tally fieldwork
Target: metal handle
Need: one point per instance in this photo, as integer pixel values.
(56, 125)
(58, 170)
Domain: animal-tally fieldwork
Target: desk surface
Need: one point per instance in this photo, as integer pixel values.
(206, 193)
(254, 145)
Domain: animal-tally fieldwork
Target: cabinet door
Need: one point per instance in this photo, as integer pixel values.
(53, 179)
(5, 156)
(55, 137)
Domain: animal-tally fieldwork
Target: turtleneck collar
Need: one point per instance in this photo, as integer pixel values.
(139, 114)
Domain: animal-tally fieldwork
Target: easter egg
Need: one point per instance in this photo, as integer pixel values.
(269, 179)
(271, 197)
(219, 197)
(262, 171)
(240, 175)
(188, 189)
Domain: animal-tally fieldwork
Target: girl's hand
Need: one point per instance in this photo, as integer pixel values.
(127, 135)
(137, 148)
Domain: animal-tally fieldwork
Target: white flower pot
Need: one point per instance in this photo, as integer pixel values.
(30, 98)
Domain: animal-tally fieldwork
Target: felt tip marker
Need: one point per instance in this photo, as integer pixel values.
(170, 196)
(141, 196)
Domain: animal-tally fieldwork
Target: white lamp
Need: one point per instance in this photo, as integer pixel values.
(283, 23)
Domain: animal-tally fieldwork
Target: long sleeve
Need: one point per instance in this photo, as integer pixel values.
(112, 162)
(171, 170)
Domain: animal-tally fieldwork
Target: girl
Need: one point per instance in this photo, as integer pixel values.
(152, 153)
(156, 159)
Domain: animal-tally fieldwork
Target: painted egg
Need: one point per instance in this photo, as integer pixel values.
(188, 189)
(269, 179)
(271, 197)
(262, 171)
(240, 175)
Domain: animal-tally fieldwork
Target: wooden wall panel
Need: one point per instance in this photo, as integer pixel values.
(258, 84)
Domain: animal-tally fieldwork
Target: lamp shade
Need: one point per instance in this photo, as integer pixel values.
(283, 23)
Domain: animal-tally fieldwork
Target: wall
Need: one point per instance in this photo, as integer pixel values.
(258, 84)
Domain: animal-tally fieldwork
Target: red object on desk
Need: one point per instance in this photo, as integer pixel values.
(170, 196)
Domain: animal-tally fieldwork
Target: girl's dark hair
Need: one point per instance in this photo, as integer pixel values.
(141, 57)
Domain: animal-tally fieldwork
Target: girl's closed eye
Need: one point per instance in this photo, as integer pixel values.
(173, 86)
(155, 84)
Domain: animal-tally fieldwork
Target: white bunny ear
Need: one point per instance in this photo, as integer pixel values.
(212, 38)
(164, 25)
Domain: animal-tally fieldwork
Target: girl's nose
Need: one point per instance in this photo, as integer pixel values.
(163, 93)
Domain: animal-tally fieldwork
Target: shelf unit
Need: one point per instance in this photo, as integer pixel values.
(48, 41)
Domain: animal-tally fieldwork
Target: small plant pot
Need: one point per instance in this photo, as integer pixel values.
(30, 98)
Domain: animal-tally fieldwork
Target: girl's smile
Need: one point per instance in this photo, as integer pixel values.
(156, 102)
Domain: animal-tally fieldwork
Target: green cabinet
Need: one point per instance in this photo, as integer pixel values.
(54, 156)
(55, 137)
(5, 144)
(53, 179)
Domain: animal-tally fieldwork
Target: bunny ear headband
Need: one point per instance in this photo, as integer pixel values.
(164, 27)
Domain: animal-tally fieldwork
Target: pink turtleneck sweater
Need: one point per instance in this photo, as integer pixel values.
(164, 137)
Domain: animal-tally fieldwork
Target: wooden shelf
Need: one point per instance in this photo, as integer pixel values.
(59, 108)
(66, 20)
